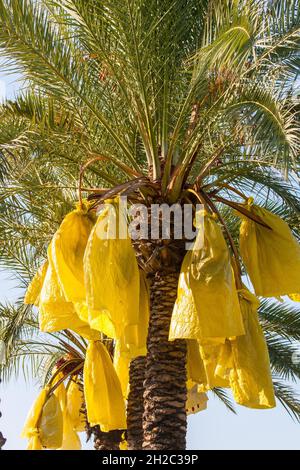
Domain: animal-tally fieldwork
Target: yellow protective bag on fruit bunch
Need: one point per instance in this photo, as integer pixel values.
(30, 428)
(122, 358)
(207, 305)
(34, 443)
(271, 255)
(135, 336)
(194, 365)
(75, 402)
(51, 424)
(55, 313)
(67, 251)
(32, 296)
(102, 390)
(111, 272)
(134, 341)
(215, 365)
(70, 438)
(250, 377)
(196, 401)
(44, 423)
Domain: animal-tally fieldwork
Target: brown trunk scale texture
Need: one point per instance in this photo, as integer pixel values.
(164, 419)
(106, 440)
(135, 403)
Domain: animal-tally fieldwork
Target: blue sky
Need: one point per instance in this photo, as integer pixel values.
(214, 428)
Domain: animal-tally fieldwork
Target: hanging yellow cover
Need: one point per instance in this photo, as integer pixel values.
(271, 255)
(295, 297)
(102, 389)
(135, 336)
(31, 424)
(196, 401)
(32, 296)
(51, 424)
(55, 313)
(67, 250)
(250, 378)
(207, 305)
(122, 358)
(75, 402)
(215, 367)
(111, 272)
(70, 439)
(195, 367)
(34, 443)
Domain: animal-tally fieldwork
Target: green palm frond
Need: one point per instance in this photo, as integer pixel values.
(224, 398)
(281, 318)
(282, 351)
(289, 398)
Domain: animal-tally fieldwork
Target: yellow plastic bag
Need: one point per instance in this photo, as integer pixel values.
(102, 389)
(67, 250)
(51, 424)
(75, 402)
(195, 367)
(122, 358)
(271, 256)
(196, 401)
(207, 304)
(250, 378)
(111, 272)
(34, 443)
(55, 313)
(70, 439)
(295, 297)
(99, 320)
(215, 367)
(135, 336)
(31, 424)
(32, 296)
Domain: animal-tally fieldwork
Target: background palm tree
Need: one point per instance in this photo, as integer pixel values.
(165, 97)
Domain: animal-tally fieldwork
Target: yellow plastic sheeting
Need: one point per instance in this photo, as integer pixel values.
(55, 313)
(195, 367)
(122, 358)
(70, 439)
(250, 377)
(51, 424)
(31, 424)
(32, 296)
(196, 401)
(271, 256)
(75, 401)
(207, 303)
(213, 361)
(135, 336)
(111, 272)
(67, 250)
(102, 389)
(99, 320)
(34, 443)
(295, 297)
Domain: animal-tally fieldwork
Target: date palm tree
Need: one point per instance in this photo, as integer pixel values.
(172, 101)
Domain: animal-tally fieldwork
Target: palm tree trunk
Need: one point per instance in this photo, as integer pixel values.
(164, 420)
(135, 404)
(106, 440)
